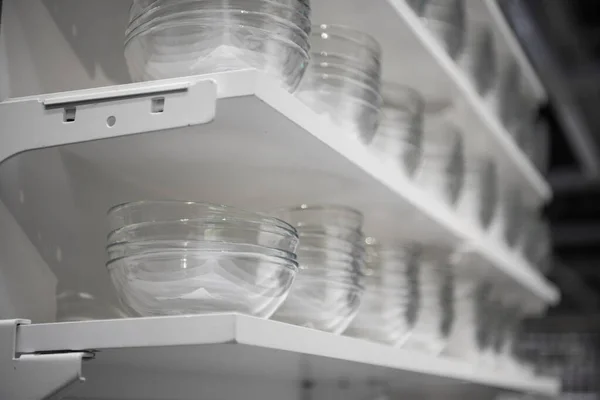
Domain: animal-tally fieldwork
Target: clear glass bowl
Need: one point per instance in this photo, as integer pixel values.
(177, 282)
(324, 215)
(441, 170)
(325, 242)
(343, 80)
(389, 304)
(126, 249)
(280, 29)
(229, 231)
(294, 13)
(447, 22)
(398, 138)
(321, 300)
(479, 196)
(535, 244)
(478, 58)
(436, 313)
(508, 96)
(470, 333)
(171, 210)
(355, 237)
(342, 45)
(191, 47)
(345, 101)
(142, 10)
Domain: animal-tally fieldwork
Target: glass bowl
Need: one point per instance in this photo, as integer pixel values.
(447, 22)
(479, 59)
(479, 196)
(435, 312)
(441, 170)
(279, 28)
(344, 101)
(142, 11)
(172, 210)
(177, 282)
(192, 47)
(341, 45)
(228, 231)
(125, 249)
(307, 215)
(390, 302)
(321, 300)
(399, 135)
(343, 79)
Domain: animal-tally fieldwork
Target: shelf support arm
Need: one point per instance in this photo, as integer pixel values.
(34, 376)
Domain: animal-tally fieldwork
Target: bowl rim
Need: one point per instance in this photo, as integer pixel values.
(264, 217)
(357, 36)
(173, 21)
(178, 253)
(237, 224)
(222, 246)
(321, 207)
(275, 38)
(302, 6)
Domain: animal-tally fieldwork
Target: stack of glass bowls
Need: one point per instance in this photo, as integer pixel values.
(435, 312)
(535, 244)
(398, 139)
(507, 98)
(506, 226)
(171, 258)
(479, 194)
(390, 303)
(327, 291)
(493, 321)
(503, 340)
(478, 58)
(441, 171)
(343, 79)
(171, 38)
(471, 335)
(446, 19)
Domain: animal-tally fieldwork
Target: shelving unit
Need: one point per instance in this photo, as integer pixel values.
(94, 140)
(250, 111)
(241, 345)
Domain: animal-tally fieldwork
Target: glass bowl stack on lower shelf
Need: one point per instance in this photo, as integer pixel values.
(169, 258)
(311, 266)
(327, 291)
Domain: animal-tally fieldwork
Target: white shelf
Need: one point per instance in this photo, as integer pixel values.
(67, 56)
(263, 149)
(413, 56)
(241, 345)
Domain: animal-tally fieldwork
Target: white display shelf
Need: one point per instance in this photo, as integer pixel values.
(67, 55)
(246, 346)
(412, 55)
(242, 141)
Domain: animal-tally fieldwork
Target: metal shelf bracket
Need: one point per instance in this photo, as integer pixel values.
(34, 376)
